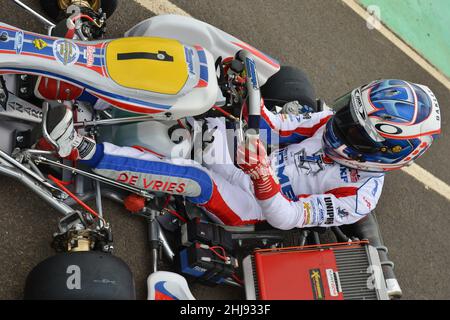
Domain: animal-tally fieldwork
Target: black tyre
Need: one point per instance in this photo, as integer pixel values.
(289, 84)
(80, 276)
(52, 9)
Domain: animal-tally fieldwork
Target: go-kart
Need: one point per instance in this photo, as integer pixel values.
(133, 91)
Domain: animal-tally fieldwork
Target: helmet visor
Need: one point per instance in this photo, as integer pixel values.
(348, 129)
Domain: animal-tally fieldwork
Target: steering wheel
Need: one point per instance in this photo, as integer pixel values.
(254, 98)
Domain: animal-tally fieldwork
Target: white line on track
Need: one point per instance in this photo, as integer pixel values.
(430, 181)
(160, 7)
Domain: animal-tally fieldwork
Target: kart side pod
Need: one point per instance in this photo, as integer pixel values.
(80, 276)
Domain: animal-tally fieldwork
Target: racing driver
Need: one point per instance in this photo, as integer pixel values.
(327, 171)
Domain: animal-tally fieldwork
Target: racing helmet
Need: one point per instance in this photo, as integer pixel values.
(382, 126)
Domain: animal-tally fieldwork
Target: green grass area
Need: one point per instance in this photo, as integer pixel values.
(423, 24)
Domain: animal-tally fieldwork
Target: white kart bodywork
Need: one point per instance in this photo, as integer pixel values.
(155, 135)
(93, 67)
(195, 32)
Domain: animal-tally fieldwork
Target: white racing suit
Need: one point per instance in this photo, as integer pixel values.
(315, 191)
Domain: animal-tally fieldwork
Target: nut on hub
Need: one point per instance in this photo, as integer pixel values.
(92, 4)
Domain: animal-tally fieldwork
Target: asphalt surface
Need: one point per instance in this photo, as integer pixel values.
(333, 45)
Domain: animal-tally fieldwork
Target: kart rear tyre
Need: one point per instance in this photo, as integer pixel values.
(80, 276)
(52, 9)
(289, 84)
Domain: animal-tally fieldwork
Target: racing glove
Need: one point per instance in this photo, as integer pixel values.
(252, 159)
(71, 145)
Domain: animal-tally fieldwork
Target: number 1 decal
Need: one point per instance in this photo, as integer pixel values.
(160, 56)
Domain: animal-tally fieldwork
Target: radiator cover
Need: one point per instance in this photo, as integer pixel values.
(345, 271)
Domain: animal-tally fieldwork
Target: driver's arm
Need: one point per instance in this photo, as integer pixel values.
(343, 205)
(340, 206)
(287, 129)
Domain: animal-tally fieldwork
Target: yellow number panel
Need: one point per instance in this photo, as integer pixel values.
(151, 64)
